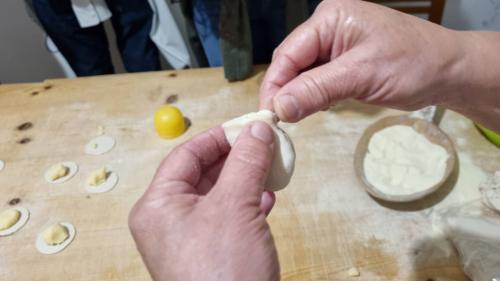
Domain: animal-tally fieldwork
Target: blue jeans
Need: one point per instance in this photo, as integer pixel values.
(267, 21)
(87, 50)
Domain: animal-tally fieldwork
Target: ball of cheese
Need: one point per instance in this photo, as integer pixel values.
(58, 171)
(55, 234)
(97, 177)
(8, 218)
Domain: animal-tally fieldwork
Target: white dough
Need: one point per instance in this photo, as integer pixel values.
(284, 153)
(109, 184)
(73, 169)
(23, 219)
(400, 161)
(2, 165)
(99, 145)
(44, 248)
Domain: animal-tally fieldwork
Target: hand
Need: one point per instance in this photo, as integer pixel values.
(204, 214)
(356, 49)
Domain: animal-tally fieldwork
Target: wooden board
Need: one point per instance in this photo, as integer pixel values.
(324, 223)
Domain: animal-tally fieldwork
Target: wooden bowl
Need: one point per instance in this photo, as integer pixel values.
(429, 130)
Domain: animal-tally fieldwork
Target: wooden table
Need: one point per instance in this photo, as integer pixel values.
(324, 223)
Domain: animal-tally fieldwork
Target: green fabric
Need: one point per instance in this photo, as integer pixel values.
(235, 39)
(236, 35)
(297, 11)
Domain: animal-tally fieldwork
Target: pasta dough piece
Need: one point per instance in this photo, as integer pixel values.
(99, 145)
(8, 218)
(284, 154)
(55, 234)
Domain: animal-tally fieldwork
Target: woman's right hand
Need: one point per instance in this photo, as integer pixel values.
(356, 49)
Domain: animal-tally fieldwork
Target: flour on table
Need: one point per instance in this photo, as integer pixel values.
(400, 161)
(490, 191)
(284, 153)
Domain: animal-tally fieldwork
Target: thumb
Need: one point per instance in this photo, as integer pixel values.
(318, 88)
(247, 165)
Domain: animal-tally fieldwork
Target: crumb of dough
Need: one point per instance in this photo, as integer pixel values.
(100, 130)
(94, 145)
(8, 218)
(97, 177)
(353, 272)
(58, 171)
(55, 234)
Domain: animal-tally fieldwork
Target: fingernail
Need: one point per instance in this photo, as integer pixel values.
(262, 131)
(289, 106)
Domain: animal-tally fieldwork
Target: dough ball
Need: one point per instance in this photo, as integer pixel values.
(8, 218)
(55, 234)
(284, 154)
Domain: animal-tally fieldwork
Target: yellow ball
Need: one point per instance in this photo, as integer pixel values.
(169, 122)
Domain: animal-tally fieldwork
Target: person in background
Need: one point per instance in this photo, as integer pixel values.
(204, 214)
(239, 33)
(76, 29)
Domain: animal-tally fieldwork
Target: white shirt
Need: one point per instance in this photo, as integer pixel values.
(164, 31)
(167, 37)
(90, 12)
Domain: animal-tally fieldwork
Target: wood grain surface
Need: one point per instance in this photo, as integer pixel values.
(324, 222)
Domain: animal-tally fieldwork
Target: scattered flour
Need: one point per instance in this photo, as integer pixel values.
(466, 189)
(400, 161)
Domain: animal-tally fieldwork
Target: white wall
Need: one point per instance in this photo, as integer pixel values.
(23, 57)
(472, 14)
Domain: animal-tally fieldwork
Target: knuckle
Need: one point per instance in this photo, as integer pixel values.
(288, 60)
(316, 94)
(276, 53)
(135, 217)
(255, 155)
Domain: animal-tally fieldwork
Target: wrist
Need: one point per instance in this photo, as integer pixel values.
(454, 63)
(475, 78)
